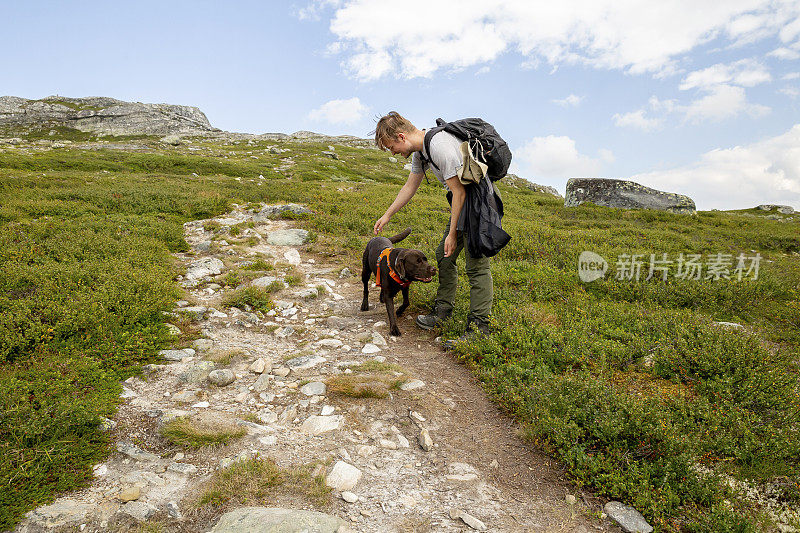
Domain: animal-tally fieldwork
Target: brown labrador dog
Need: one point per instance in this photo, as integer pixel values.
(394, 269)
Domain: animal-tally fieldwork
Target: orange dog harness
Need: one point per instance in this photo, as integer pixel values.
(385, 254)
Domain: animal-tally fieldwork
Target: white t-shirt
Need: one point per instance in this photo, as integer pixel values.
(445, 152)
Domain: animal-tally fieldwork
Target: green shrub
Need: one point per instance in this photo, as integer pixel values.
(258, 299)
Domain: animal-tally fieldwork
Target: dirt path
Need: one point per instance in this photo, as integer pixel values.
(475, 463)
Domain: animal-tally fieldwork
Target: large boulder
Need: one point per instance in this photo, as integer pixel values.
(625, 194)
(783, 209)
(104, 116)
(276, 520)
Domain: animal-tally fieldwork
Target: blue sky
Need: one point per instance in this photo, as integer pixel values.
(697, 97)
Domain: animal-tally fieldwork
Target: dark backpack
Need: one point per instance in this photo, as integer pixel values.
(486, 145)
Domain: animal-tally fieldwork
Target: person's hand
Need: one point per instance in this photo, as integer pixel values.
(449, 244)
(380, 224)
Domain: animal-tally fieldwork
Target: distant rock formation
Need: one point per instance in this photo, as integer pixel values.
(625, 194)
(105, 116)
(782, 209)
(108, 116)
(512, 180)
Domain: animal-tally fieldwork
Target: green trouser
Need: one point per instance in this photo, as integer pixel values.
(481, 288)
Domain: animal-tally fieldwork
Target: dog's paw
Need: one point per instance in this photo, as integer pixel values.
(365, 306)
(400, 311)
(394, 332)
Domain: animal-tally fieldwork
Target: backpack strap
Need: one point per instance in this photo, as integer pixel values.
(426, 143)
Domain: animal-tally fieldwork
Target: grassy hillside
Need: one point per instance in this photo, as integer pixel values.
(629, 383)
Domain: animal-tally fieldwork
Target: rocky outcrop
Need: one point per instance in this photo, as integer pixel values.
(783, 209)
(512, 180)
(625, 194)
(102, 115)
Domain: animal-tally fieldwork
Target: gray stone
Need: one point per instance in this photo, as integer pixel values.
(425, 441)
(292, 257)
(370, 348)
(329, 343)
(304, 362)
(340, 322)
(629, 519)
(332, 155)
(197, 373)
(203, 345)
(207, 266)
(286, 331)
(62, 512)
(176, 355)
(624, 194)
(202, 246)
(287, 237)
(187, 396)
(222, 377)
(343, 476)
(272, 210)
(315, 388)
(134, 452)
(141, 511)
(197, 312)
(173, 140)
(182, 468)
(261, 365)
(173, 330)
(728, 325)
(349, 497)
(173, 511)
(471, 521)
(412, 384)
(276, 520)
(316, 425)
(262, 383)
(377, 339)
(106, 424)
(264, 281)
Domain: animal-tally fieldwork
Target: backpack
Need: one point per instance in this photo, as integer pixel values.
(486, 144)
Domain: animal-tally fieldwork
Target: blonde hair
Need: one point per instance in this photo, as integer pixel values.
(389, 126)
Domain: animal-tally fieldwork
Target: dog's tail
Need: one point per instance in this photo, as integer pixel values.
(400, 236)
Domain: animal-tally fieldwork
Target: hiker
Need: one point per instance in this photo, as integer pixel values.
(399, 136)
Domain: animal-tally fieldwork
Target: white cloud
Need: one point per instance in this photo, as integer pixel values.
(791, 76)
(313, 9)
(339, 111)
(743, 176)
(558, 157)
(638, 37)
(572, 100)
(746, 72)
(721, 102)
(791, 92)
(785, 53)
(637, 120)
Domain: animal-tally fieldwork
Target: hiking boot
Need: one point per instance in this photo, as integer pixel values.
(431, 320)
(475, 326)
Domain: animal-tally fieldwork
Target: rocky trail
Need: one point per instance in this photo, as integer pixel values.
(401, 431)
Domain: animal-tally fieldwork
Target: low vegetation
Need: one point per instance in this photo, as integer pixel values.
(258, 481)
(197, 432)
(628, 382)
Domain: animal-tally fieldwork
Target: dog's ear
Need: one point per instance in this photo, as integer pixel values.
(400, 263)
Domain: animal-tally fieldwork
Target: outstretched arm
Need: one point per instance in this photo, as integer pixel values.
(412, 184)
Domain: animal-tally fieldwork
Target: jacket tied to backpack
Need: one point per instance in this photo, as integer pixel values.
(488, 154)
